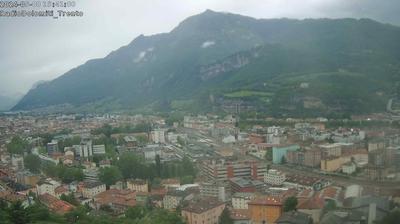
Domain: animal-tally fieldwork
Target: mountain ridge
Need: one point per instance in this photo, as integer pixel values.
(166, 67)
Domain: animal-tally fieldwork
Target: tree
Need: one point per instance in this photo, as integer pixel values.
(37, 212)
(17, 213)
(268, 155)
(32, 163)
(68, 142)
(283, 160)
(225, 217)
(181, 141)
(187, 179)
(268, 167)
(136, 212)
(188, 167)
(142, 139)
(4, 212)
(17, 145)
(68, 174)
(158, 165)
(70, 198)
(161, 216)
(50, 169)
(110, 175)
(290, 204)
(106, 208)
(391, 218)
(131, 166)
(329, 206)
(78, 214)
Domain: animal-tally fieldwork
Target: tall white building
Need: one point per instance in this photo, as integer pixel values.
(240, 200)
(86, 149)
(274, 177)
(158, 136)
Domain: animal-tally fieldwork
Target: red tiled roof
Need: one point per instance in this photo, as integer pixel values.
(11, 196)
(330, 192)
(55, 204)
(312, 203)
(203, 205)
(119, 197)
(306, 193)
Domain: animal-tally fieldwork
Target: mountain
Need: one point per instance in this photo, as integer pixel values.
(220, 60)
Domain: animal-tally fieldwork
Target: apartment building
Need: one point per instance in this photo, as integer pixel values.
(274, 177)
(265, 209)
(92, 188)
(240, 200)
(138, 185)
(305, 157)
(214, 189)
(47, 186)
(204, 211)
(332, 163)
(118, 200)
(279, 153)
(222, 171)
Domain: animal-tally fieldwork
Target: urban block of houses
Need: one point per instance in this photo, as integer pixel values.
(310, 157)
(118, 200)
(239, 184)
(220, 170)
(240, 216)
(279, 153)
(173, 199)
(204, 211)
(332, 163)
(265, 209)
(240, 200)
(138, 185)
(47, 186)
(305, 182)
(27, 178)
(54, 204)
(214, 189)
(91, 188)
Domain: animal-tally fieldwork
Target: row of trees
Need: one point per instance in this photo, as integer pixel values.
(64, 173)
(16, 213)
(126, 166)
(129, 166)
(18, 146)
(107, 130)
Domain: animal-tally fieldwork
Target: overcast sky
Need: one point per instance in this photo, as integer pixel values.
(34, 49)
